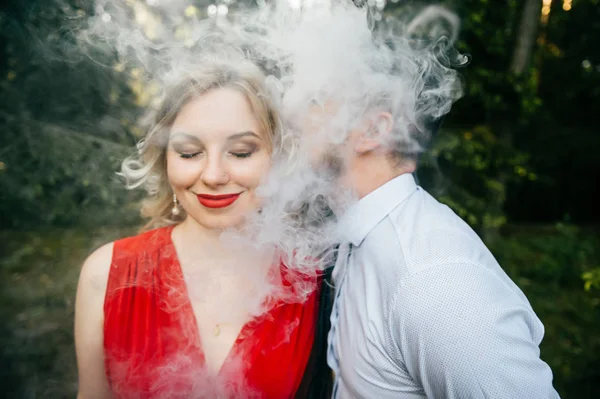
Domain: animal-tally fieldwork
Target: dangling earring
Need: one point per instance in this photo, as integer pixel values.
(175, 210)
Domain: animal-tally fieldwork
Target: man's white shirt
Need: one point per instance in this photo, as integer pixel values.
(422, 308)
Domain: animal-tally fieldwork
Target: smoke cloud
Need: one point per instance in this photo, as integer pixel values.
(328, 67)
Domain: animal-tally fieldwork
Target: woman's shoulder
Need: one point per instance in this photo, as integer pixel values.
(96, 268)
(94, 272)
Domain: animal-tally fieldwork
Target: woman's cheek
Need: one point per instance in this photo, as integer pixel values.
(253, 174)
(182, 172)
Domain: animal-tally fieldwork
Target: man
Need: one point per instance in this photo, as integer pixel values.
(422, 308)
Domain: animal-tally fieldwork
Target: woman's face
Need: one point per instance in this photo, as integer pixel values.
(216, 157)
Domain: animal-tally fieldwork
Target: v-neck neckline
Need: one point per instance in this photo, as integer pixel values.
(244, 331)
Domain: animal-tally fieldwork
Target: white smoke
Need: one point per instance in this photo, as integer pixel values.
(323, 53)
(328, 56)
(332, 58)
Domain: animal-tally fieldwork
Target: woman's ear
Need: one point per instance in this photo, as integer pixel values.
(375, 131)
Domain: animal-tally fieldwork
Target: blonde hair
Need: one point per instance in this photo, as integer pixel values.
(148, 168)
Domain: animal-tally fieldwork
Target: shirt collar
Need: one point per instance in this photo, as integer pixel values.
(363, 216)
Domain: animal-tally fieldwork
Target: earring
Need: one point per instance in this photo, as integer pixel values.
(175, 210)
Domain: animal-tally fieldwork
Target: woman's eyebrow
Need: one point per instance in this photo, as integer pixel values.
(180, 136)
(242, 134)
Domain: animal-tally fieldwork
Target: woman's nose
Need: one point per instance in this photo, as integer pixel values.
(214, 173)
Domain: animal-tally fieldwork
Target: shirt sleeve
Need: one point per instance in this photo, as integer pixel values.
(463, 332)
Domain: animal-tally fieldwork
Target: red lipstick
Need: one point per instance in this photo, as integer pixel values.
(217, 201)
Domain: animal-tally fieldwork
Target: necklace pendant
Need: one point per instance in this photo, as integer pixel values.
(217, 330)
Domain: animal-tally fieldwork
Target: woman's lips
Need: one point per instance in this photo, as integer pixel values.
(217, 201)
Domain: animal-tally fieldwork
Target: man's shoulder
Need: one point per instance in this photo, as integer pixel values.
(422, 212)
(426, 234)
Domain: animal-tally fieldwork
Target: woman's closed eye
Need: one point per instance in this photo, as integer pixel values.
(243, 150)
(242, 154)
(188, 155)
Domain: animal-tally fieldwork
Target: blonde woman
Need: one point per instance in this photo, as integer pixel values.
(141, 330)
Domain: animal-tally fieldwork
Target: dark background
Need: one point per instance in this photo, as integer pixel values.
(517, 158)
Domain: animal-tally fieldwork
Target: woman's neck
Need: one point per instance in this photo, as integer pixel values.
(193, 239)
(198, 247)
(214, 266)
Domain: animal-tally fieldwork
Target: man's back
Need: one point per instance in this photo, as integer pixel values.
(424, 309)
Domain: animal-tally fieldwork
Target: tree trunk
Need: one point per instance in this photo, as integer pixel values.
(521, 61)
(526, 36)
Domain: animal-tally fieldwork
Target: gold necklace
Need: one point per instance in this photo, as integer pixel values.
(217, 330)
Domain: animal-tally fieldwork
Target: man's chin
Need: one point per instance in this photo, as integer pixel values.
(331, 165)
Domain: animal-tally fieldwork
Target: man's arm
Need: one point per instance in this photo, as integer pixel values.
(464, 333)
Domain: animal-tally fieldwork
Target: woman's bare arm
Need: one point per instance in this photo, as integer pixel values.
(89, 321)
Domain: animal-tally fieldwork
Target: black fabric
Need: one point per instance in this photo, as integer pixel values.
(318, 378)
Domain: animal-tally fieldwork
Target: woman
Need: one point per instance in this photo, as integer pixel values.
(155, 316)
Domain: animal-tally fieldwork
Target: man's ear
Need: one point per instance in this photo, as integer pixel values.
(375, 131)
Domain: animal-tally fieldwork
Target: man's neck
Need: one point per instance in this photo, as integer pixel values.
(368, 172)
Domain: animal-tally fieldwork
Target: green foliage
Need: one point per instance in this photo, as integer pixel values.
(473, 160)
(591, 278)
(63, 129)
(469, 169)
(38, 276)
(547, 263)
(52, 175)
(557, 257)
(74, 117)
(67, 121)
(570, 78)
(38, 279)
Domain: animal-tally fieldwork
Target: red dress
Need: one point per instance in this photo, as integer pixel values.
(152, 345)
